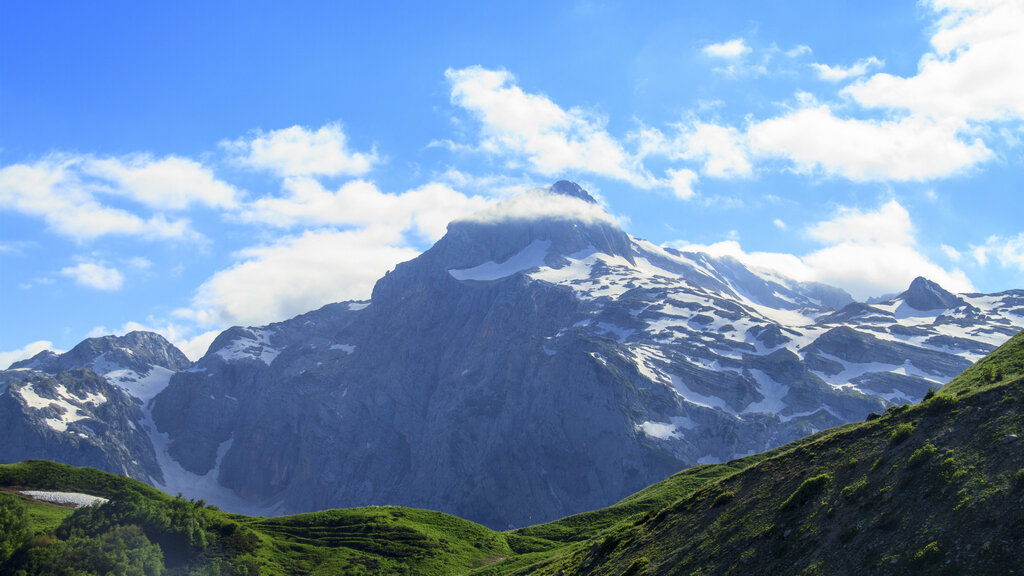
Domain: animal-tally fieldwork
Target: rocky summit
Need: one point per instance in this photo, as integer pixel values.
(536, 362)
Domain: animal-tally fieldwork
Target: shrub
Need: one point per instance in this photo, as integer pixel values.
(13, 526)
(901, 433)
(807, 490)
(724, 497)
(921, 454)
(852, 489)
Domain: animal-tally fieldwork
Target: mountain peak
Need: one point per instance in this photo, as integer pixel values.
(569, 188)
(135, 350)
(923, 294)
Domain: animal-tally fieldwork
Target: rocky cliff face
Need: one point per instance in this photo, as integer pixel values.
(536, 362)
(86, 406)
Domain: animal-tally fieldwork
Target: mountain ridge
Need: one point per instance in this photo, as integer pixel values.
(548, 357)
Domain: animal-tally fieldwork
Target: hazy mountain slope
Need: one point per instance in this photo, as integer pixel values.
(536, 363)
(931, 488)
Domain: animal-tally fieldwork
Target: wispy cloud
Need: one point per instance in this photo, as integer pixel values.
(67, 192)
(29, 350)
(295, 274)
(97, 275)
(300, 151)
(838, 73)
(729, 49)
(866, 252)
(532, 128)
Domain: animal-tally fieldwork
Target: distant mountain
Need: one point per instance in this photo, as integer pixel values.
(538, 361)
(933, 488)
(87, 406)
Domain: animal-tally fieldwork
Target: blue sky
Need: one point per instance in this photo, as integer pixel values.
(183, 166)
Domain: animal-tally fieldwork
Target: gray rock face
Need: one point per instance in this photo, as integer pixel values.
(924, 294)
(527, 368)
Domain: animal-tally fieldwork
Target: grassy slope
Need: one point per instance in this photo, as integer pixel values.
(858, 496)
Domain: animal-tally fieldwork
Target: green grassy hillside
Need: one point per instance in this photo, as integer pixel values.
(936, 487)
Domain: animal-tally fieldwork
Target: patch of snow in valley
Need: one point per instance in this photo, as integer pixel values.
(530, 257)
(177, 480)
(854, 370)
(772, 391)
(75, 498)
(347, 348)
(659, 430)
(358, 305)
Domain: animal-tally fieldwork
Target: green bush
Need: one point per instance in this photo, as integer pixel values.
(921, 454)
(723, 498)
(901, 433)
(807, 490)
(14, 530)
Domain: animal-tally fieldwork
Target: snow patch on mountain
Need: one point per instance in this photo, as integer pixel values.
(256, 346)
(530, 257)
(66, 404)
(141, 386)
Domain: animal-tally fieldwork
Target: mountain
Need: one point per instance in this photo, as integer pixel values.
(538, 361)
(930, 488)
(86, 406)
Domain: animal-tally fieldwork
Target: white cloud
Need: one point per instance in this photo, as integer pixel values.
(62, 190)
(951, 253)
(721, 148)
(427, 209)
(975, 73)
(299, 151)
(540, 203)
(297, 274)
(171, 183)
(29, 350)
(839, 73)
(910, 148)
(867, 253)
(730, 49)
(95, 275)
(779, 224)
(532, 127)
(799, 50)
(1007, 251)
(890, 224)
(682, 182)
(140, 263)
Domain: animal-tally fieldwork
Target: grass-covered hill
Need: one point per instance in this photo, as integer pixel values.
(936, 487)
